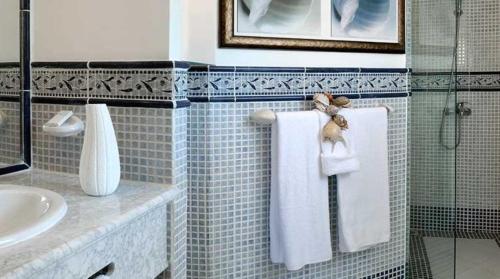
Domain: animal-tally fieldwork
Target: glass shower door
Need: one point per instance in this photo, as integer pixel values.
(433, 139)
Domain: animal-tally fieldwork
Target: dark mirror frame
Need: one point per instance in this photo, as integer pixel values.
(25, 92)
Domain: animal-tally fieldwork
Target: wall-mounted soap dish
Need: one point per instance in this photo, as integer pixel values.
(64, 124)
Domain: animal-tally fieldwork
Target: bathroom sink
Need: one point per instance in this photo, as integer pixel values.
(27, 211)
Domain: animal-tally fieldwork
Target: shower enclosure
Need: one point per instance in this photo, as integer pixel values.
(455, 139)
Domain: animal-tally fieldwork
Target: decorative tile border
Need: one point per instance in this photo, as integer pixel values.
(465, 81)
(153, 81)
(180, 82)
(10, 80)
(227, 84)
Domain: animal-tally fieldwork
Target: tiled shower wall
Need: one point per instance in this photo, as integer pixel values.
(433, 34)
(10, 131)
(433, 168)
(229, 169)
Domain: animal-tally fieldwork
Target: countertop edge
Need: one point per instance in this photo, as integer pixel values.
(79, 243)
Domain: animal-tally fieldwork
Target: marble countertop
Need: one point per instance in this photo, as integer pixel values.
(88, 219)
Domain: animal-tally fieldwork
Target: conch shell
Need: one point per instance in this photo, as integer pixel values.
(332, 110)
(340, 121)
(321, 101)
(332, 132)
(342, 102)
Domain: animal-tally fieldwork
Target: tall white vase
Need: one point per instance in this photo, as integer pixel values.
(100, 160)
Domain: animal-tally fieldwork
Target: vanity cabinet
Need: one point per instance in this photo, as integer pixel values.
(134, 251)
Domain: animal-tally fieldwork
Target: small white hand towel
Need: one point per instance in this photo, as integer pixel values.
(339, 157)
(299, 217)
(363, 196)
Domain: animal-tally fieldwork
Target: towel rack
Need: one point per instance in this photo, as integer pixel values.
(267, 116)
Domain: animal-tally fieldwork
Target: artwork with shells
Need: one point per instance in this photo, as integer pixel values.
(365, 25)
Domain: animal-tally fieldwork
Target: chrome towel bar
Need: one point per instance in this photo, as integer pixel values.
(267, 116)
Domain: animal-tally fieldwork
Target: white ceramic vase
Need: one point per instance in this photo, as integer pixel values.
(100, 160)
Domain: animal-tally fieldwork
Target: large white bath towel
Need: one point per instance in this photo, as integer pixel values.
(299, 219)
(363, 196)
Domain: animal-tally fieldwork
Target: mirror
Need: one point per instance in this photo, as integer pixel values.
(13, 100)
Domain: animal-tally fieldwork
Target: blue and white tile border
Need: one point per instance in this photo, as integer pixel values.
(241, 84)
(465, 81)
(174, 84)
(143, 84)
(10, 80)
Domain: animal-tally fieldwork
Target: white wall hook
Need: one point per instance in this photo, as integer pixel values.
(64, 124)
(389, 108)
(264, 117)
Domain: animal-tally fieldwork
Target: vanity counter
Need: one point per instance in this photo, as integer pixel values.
(87, 220)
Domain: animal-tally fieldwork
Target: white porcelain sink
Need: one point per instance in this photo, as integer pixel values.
(27, 211)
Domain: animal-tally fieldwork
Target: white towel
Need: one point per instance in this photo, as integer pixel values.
(299, 219)
(340, 157)
(363, 196)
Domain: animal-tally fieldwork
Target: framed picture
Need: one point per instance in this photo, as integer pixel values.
(338, 25)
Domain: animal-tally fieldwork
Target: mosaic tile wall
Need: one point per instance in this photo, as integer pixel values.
(433, 34)
(229, 170)
(10, 132)
(144, 138)
(478, 82)
(151, 135)
(433, 168)
(217, 157)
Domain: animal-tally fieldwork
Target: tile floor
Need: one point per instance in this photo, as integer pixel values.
(476, 258)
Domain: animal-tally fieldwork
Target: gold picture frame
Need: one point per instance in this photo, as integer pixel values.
(229, 39)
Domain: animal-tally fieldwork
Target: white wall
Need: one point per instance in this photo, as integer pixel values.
(80, 30)
(200, 43)
(9, 30)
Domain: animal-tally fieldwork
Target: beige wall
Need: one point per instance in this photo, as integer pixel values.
(80, 30)
(9, 30)
(199, 42)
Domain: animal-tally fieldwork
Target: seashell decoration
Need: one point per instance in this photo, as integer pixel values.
(342, 101)
(340, 121)
(332, 110)
(332, 132)
(321, 101)
(325, 102)
(278, 16)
